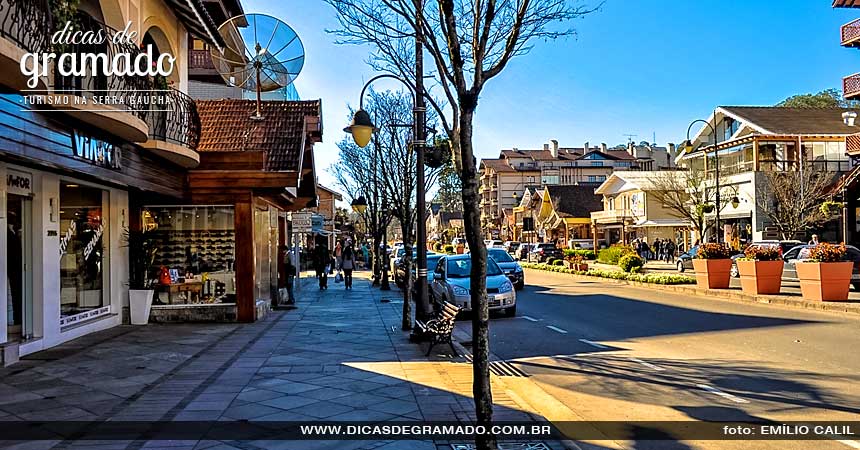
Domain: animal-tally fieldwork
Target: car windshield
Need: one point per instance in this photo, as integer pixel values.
(500, 256)
(546, 245)
(461, 268)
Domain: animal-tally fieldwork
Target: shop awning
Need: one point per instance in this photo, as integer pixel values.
(661, 223)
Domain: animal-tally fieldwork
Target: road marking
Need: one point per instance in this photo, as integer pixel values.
(592, 343)
(556, 329)
(530, 318)
(716, 391)
(647, 364)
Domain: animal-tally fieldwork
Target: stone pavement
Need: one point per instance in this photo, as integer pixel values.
(339, 356)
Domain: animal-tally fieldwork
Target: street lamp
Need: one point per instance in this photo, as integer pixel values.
(687, 145)
(359, 205)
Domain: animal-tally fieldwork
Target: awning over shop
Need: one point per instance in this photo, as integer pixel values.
(661, 223)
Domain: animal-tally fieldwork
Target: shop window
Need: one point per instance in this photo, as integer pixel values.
(196, 245)
(83, 249)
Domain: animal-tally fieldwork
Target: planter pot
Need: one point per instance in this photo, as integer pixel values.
(713, 273)
(760, 277)
(825, 281)
(140, 303)
(581, 267)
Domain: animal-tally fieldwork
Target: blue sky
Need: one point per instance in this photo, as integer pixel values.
(636, 67)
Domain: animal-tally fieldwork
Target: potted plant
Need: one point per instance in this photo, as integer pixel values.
(825, 276)
(141, 256)
(575, 262)
(713, 265)
(761, 270)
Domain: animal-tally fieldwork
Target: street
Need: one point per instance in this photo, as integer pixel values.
(612, 352)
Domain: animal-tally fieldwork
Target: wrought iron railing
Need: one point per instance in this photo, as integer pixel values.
(851, 86)
(200, 59)
(850, 31)
(176, 120)
(127, 90)
(27, 23)
(828, 165)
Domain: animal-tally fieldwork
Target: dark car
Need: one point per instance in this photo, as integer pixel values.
(509, 265)
(784, 247)
(523, 251)
(801, 253)
(684, 261)
(400, 270)
(544, 252)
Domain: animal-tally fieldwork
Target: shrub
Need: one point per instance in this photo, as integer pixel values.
(585, 254)
(612, 254)
(449, 248)
(653, 278)
(438, 247)
(762, 253)
(630, 263)
(714, 251)
(558, 262)
(825, 252)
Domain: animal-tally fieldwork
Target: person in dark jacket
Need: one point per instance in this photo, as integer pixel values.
(322, 259)
(347, 264)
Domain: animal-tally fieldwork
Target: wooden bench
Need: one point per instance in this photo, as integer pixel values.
(439, 329)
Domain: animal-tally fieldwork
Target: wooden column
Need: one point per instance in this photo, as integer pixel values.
(245, 270)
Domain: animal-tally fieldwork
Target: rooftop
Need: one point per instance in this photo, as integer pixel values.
(574, 201)
(803, 121)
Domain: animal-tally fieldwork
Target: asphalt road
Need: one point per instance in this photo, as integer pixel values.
(611, 352)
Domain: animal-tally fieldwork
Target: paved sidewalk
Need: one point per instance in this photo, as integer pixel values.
(339, 356)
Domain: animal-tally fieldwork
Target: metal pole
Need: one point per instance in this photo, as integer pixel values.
(420, 135)
(717, 174)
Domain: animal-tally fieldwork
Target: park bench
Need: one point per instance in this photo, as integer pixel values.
(439, 329)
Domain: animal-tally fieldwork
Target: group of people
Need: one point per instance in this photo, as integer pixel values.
(343, 259)
(660, 250)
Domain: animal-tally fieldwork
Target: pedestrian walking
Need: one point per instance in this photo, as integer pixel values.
(646, 250)
(670, 251)
(338, 255)
(814, 240)
(658, 249)
(348, 264)
(322, 260)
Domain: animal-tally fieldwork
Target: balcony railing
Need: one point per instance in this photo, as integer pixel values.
(828, 165)
(200, 59)
(27, 23)
(851, 86)
(126, 88)
(851, 32)
(177, 121)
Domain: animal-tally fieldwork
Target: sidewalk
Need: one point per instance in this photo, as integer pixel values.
(339, 356)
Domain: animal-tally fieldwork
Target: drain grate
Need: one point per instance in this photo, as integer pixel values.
(506, 446)
(502, 368)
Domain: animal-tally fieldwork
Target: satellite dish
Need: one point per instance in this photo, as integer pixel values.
(261, 54)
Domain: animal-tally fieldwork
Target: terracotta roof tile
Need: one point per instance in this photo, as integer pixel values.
(226, 126)
(499, 165)
(574, 201)
(781, 120)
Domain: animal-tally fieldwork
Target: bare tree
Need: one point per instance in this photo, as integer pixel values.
(685, 194)
(792, 200)
(470, 42)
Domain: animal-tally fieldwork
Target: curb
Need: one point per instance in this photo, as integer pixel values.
(729, 294)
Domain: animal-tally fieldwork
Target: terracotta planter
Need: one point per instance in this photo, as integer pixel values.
(713, 273)
(825, 281)
(760, 277)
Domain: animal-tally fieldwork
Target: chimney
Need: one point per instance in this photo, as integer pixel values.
(546, 147)
(671, 147)
(603, 147)
(631, 148)
(586, 147)
(848, 117)
(554, 148)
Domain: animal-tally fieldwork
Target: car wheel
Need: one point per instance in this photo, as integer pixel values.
(520, 286)
(681, 266)
(734, 271)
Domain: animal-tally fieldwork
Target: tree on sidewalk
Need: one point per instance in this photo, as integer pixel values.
(684, 193)
(794, 200)
(470, 42)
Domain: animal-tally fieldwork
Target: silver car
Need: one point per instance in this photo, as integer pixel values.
(451, 283)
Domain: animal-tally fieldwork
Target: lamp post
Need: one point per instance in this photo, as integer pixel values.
(362, 128)
(687, 145)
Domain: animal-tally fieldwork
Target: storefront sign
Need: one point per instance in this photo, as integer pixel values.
(301, 222)
(96, 151)
(19, 183)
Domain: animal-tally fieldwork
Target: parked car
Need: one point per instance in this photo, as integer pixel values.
(397, 261)
(494, 243)
(509, 265)
(543, 252)
(585, 244)
(400, 272)
(523, 251)
(684, 261)
(451, 284)
(784, 247)
(801, 253)
(512, 246)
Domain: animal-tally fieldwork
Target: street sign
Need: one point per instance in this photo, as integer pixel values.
(317, 222)
(302, 222)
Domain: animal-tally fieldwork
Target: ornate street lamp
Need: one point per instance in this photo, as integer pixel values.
(687, 145)
(361, 128)
(359, 205)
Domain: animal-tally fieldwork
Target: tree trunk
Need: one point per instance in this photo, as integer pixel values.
(481, 389)
(406, 322)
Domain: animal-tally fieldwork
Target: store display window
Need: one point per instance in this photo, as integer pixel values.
(83, 249)
(195, 256)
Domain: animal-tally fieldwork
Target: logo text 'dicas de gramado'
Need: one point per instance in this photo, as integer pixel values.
(119, 64)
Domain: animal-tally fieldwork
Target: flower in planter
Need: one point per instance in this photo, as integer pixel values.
(714, 251)
(825, 252)
(761, 253)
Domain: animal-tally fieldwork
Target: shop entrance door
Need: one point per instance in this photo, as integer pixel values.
(19, 292)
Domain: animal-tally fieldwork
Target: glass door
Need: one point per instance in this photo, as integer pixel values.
(19, 291)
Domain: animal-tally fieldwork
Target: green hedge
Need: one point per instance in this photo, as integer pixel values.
(612, 254)
(449, 248)
(557, 262)
(631, 263)
(586, 254)
(653, 278)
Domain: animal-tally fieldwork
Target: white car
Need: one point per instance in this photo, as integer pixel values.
(451, 284)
